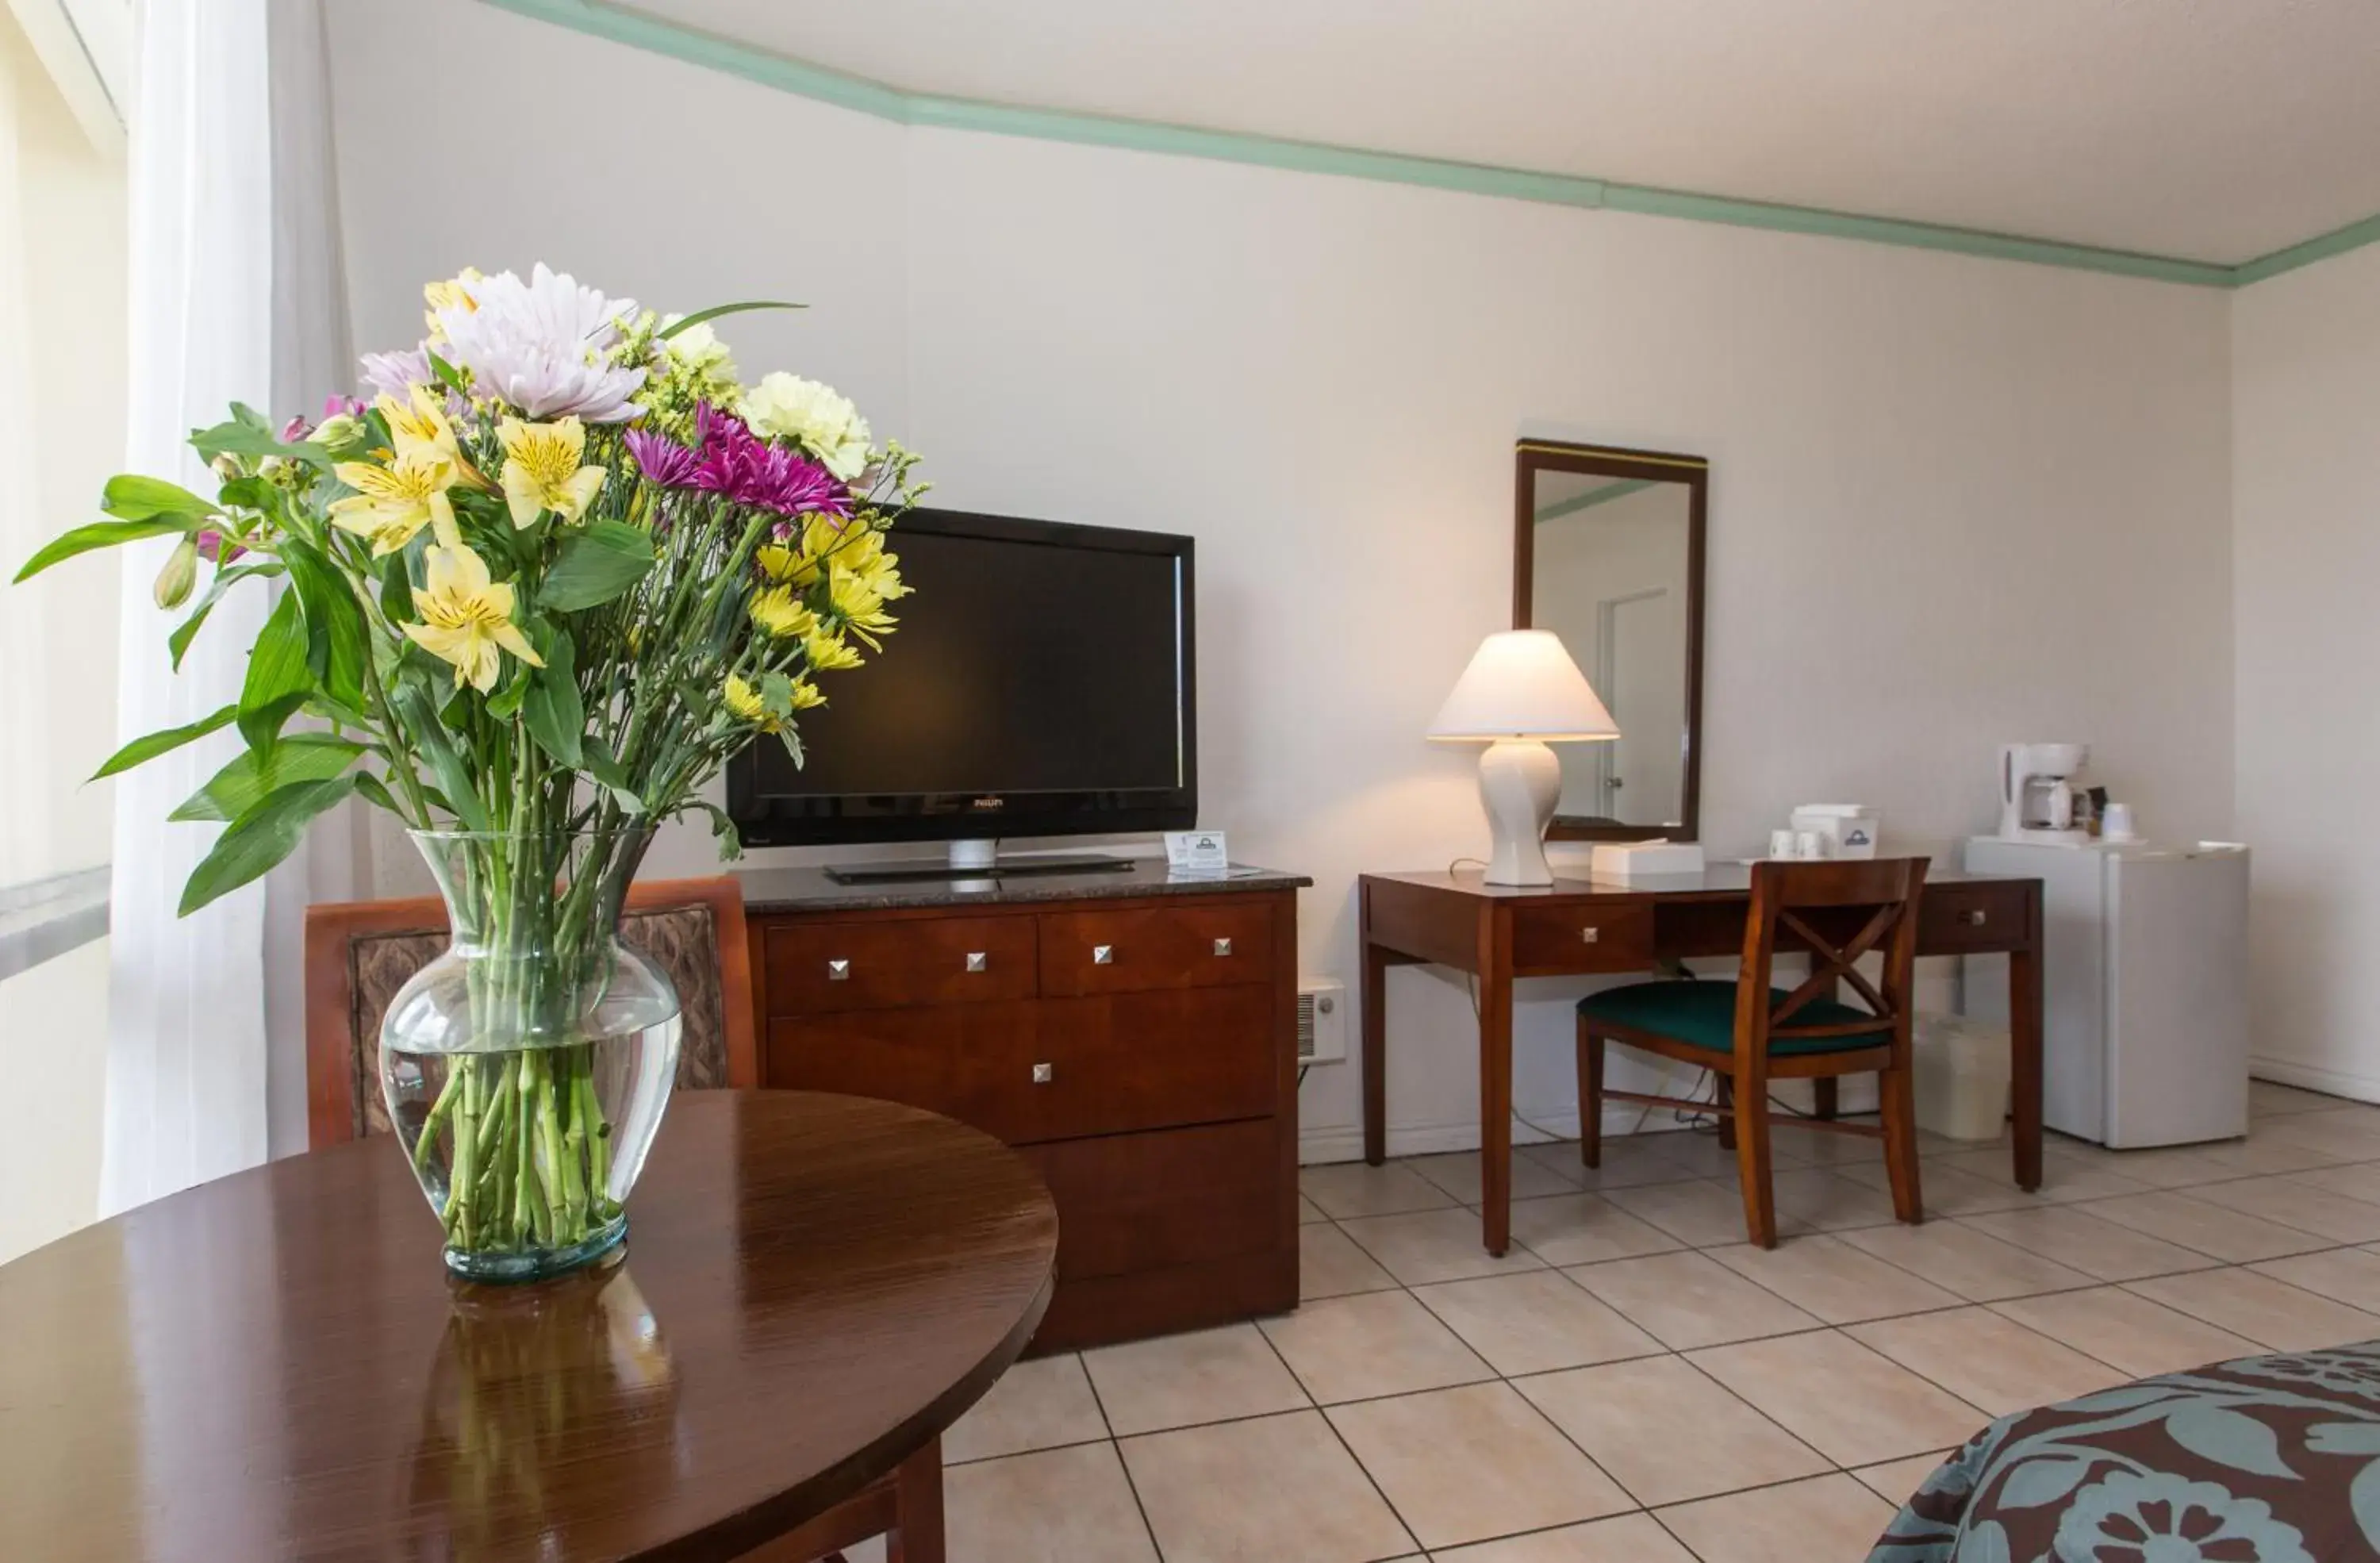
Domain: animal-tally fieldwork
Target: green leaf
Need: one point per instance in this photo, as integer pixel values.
(596, 564)
(509, 693)
(718, 310)
(447, 374)
(335, 621)
(98, 534)
(395, 587)
(417, 708)
(722, 830)
(239, 438)
(278, 679)
(140, 751)
(608, 773)
(130, 497)
(267, 832)
(301, 756)
(777, 695)
(370, 789)
(556, 717)
(187, 630)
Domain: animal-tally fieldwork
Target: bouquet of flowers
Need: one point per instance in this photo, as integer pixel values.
(537, 591)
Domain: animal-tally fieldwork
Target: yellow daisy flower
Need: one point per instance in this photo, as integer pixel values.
(542, 469)
(467, 618)
(392, 502)
(860, 605)
(828, 652)
(745, 702)
(779, 612)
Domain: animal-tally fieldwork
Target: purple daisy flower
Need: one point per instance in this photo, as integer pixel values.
(663, 461)
(751, 471)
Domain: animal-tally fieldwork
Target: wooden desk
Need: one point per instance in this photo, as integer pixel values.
(1583, 928)
(273, 1365)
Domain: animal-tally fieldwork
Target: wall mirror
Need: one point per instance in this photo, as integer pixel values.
(1607, 553)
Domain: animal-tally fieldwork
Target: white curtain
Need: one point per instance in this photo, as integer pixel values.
(231, 301)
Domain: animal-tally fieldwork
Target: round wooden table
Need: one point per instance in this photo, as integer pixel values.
(274, 1365)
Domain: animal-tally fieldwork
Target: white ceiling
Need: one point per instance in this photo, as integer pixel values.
(2214, 130)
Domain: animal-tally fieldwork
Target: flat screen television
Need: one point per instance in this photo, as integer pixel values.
(1043, 682)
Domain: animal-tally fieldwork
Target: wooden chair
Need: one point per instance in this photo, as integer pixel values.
(359, 954)
(1748, 1033)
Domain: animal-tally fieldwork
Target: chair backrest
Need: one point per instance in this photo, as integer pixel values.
(360, 952)
(1838, 911)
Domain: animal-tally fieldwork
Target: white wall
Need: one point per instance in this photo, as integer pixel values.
(2306, 556)
(1954, 501)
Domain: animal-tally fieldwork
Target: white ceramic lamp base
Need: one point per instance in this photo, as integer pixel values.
(1519, 780)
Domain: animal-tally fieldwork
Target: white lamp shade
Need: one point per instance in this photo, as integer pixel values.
(1522, 684)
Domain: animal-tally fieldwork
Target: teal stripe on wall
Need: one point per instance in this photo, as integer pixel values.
(816, 82)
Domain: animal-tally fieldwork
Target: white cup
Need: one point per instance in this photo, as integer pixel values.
(2116, 822)
(1809, 844)
(1780, 843)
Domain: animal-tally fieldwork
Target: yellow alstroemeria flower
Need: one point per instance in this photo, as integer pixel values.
(467, 618)
(828, 652)
(542, 469)
(783, 614)
(447, 294)
(391, 503)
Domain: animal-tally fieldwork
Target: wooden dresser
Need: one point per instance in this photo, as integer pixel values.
(1134, 1036)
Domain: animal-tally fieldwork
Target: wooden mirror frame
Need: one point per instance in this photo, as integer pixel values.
(1533, 456)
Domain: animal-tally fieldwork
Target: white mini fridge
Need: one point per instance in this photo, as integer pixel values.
(2144, 987)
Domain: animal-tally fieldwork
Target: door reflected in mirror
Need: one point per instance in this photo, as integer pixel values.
(1609, 558)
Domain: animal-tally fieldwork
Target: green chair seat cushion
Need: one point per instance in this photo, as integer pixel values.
(1702, 1014)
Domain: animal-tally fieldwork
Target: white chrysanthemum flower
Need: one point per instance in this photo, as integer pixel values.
(787, 406)
(543, 345)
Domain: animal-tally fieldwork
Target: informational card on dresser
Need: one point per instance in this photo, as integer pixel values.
(1197, 854)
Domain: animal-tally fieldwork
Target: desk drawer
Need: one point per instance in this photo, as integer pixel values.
(1953, 918)
(1573, 937)
(1159, 946)
(825, 968)
(957, 1059)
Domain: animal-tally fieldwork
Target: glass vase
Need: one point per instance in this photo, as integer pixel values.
(527, 1068)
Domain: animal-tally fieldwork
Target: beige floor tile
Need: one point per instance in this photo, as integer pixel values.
(2180, 1166)
(1631, 1538)
(2344, 1275)
(2270, 1312)
(1379, 1343)
(1826, 1201)
(1463, 1465)
(1330, 1264)
(1206, 1376)
(1828, 1278)
(2081, 1240)
(2359, 1181)
(2137, 1336)
(1628, 1160)
(1700, 1153)
(2184, 1218)
(1987, 1359)
(1282, 1486)
(1059, 1506)
(1829, 1518)
(869, 1551)
(1457, 1174)
(1851, 1404)
(1689, 1300)
(1037, 1405)
(2346, 1134)
(1535, 1323)
(1308, 1211)
(1823, 1148)
(1580, 1229)
(1354, 1188)
(1424, 1246)
(2269, 1099)
(1958, 1258)
(1896, 1481)
(1666, 1432)
(1698, 1213)
(2269, 1153)
(2295, 1204)
(1947, 1190)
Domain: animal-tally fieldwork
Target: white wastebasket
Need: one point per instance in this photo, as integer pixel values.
(1962, 1077)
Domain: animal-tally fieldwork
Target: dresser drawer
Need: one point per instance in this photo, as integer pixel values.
(1158, 947)
(957, 1059)
(824, 969)
(1180, 1197)
(1573, 937)
(1953, 917)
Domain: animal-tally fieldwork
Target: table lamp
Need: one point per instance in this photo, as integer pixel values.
(1520, 693)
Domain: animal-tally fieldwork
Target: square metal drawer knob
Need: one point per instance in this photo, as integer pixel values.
(1222, 946)
(977, 961)
(1972, 917)
(1592, 935)
(1102, 954)
(838, 971)
(1043, 1074)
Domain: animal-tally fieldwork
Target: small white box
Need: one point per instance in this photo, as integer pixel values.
(1645, 860)
(1850, 829)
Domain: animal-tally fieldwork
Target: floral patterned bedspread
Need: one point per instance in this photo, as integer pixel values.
(2265, 1460)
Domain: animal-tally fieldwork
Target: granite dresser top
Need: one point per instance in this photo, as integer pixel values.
(809, 890)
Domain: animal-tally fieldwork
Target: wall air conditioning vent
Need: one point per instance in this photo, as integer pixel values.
(1321, 1021)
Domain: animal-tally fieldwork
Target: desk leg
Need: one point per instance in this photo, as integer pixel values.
(1376, 1054)
(1495, 1086)
(2025, 1055)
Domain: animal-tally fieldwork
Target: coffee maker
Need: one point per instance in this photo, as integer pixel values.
(2037, 791)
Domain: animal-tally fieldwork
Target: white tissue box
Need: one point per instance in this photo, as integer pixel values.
(1645, 860)
(1850, 829)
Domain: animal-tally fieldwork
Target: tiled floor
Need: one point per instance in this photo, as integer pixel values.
(1633, 1383)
